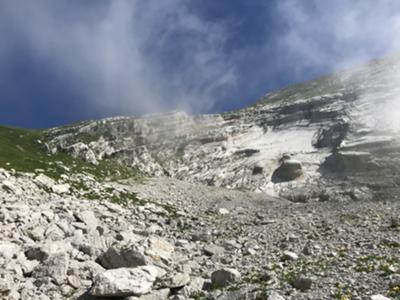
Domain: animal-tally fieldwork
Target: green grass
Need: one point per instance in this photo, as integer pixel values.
(23, 151)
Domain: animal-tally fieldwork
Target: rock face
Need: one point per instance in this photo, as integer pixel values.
(341, 126)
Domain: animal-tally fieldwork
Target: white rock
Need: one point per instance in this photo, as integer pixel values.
(125, 282)
(289, 255)
(159, 249)
(8, 250)
(12, 187)
(61, 188)
(88, 218)
(379, 297)
(223, 211)
(44, 181)
(275, 296)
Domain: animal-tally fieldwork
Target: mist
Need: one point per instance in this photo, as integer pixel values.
(132, 57)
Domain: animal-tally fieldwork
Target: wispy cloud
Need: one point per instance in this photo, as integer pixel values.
(128, 56)
(335, 34)
(133, 56)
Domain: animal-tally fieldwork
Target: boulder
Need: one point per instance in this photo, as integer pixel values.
(61, 188)
(44, 181)
(289, 169)
(212, 249)
(224, 277)
(159, 249)
(126, 256)
(177, 280)
(302, 283)
(55, 268)
(124, 282)
(8, 250)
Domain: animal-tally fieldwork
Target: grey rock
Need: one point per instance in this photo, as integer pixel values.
(55, 267)
(8, 250)
(212, 249)
(156, 295)
(177, 280)
(302, 283)
(124, 257)
(224, 277)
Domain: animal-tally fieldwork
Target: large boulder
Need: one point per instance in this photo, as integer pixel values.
(54, 268)
(124, 282)
(224, 277)
(126, 256)
(289, 169)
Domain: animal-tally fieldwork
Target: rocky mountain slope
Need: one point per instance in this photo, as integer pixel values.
(340, 129)
(292, 198)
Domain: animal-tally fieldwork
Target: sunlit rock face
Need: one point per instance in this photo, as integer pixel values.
(341, 129)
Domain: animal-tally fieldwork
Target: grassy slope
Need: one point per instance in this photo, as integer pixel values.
(21, 150)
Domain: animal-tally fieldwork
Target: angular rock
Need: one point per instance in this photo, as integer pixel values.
(125, 257)
(88, 218)
(177, 280)
(61, 188)
(124, 282)
(55, 268)
(44, 181)
(8, 250)
(159, 249)
(289, 255)
(212, 249)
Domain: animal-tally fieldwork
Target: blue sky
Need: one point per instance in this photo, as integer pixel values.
(67, 60)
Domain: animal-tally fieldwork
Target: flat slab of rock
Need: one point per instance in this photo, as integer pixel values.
(212, 249)
(124, 282)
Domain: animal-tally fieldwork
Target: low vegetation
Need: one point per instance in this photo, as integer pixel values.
(23, 150)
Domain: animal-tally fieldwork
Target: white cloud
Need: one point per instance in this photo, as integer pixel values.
(116, 53)
(336, 34)
(133, 56)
